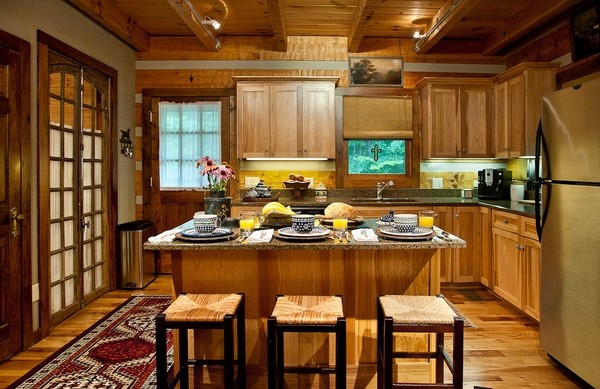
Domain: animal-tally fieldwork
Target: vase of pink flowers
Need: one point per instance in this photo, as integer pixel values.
(216, 202)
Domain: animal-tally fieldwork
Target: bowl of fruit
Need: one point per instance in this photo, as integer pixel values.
(296, 183)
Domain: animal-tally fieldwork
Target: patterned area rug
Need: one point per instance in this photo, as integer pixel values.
(118, 352)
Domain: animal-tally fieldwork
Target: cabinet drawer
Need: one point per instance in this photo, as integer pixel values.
(527, 228)
(505, 221)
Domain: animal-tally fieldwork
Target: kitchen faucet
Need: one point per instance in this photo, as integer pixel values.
(381, 186)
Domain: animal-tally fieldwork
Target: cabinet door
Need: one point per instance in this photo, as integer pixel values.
(444, 219)
(475, 135)
(500, 135)
(507, 266)
(253, 121)
(466, 260)
(445, 124)
(285, 123)
(318, 120)
(530, 250)
(485, 226)
(515, 142)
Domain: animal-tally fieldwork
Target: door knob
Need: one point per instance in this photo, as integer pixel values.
(16, 219)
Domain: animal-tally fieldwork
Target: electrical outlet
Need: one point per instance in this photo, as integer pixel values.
(437, 183)
(250, 182)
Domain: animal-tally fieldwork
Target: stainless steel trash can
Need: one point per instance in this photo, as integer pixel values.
(137, 266)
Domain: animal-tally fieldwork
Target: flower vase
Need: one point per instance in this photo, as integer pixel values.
(218, 204)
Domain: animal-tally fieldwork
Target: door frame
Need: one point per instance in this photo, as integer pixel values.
(23, 246)
(45, 43)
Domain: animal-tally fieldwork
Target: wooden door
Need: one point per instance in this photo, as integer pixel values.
(318, 120)
(253, 115)
(507, 266)
(15, 298)
(476, 116)
(466, 226)
(500, 138)
(443, 219)
(516, 116)
(445, 129)
(531, 250)
(485, 227)
(286, 120)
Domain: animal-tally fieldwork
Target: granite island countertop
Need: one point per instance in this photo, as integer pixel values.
(440, 241)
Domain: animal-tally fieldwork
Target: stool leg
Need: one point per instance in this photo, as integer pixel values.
(379, 345)
(241, 338)
(183, 359)
(340, 356)
(161, 351)
(439, 357)
(271, 352)
(458, 353)
(228, 372)
(388, 350)
(280, 361)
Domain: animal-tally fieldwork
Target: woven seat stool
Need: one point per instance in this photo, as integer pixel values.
(425, 314)
(209, 312)
(306, 314)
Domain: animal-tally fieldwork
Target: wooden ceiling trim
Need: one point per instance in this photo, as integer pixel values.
(185, 13)
(537, 13)
(362, 18)
(109, 15)
(451, 13)
(278, 25)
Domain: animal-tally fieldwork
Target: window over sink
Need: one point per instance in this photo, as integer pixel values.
(376, 156)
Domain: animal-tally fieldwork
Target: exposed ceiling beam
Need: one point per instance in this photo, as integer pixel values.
(537, 13)
(362, 18)
(448, 16)
(278, 24)
(188, 16)
(109, 15)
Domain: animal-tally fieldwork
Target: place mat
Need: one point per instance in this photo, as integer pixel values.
(192, 235)
(302, 238)
(388, 232)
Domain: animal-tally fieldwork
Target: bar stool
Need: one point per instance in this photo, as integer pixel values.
(306, 314)
(428, 314)
(203, 311)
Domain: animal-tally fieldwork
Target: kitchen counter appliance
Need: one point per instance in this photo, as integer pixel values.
(494, 184)
(567, 217)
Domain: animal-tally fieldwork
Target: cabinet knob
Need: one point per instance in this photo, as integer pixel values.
(464, 150)
(504, 221)
(299, 150)
(520, 247)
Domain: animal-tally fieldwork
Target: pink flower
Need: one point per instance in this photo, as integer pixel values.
(218, 175)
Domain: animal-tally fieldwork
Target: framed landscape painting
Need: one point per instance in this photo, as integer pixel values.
(585, 31)
(365, 71)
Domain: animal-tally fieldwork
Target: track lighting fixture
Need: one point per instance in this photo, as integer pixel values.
(207, 21)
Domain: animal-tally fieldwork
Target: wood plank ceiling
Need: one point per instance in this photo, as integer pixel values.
(485, 27)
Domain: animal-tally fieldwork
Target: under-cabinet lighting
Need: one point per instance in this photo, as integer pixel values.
(285, 159)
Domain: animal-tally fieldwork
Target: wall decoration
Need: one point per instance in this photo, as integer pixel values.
(381, 71)
(585, 31)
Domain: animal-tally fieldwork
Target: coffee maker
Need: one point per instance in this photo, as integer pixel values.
(494, 184)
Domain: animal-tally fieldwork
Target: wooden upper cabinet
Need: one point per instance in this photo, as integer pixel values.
(518, 107)
(285, 117)
(456, 117)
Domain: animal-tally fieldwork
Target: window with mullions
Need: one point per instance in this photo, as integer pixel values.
(188, 131)
(376, 157)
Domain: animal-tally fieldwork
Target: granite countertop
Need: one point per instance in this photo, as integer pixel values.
(403, 197)
(441, 240)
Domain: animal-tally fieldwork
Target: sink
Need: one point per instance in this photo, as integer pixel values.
(384, 200)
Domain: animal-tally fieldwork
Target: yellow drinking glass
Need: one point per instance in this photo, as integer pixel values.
(340, 225)
(426, 219)
(246, 223)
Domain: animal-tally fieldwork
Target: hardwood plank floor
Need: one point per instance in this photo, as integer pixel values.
(502, 352)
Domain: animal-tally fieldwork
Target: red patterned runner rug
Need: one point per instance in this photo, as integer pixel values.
(118, 352)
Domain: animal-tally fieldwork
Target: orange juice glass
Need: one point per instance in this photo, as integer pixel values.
(426, 219)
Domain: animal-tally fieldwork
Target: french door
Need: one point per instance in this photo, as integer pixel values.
(74, 152)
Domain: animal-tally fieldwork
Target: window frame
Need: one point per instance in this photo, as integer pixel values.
(411, 179)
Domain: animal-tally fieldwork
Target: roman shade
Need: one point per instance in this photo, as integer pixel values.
(378, 117)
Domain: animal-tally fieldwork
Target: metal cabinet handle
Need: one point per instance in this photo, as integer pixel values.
(16, 219)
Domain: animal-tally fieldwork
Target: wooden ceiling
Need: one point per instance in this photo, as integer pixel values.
(486, 27)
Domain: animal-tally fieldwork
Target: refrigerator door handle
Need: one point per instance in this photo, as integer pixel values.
(540, 217)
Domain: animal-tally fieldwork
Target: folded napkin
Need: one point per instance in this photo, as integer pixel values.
(165, 237)
(260, 236)
(364, 235)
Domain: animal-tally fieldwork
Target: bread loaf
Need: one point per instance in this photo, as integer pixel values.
(340, 210)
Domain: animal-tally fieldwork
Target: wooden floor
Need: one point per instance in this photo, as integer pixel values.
(502, 352)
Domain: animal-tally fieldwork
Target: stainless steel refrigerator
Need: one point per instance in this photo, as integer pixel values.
(568, 218)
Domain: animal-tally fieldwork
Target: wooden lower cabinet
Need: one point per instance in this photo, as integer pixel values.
(460, 265)
(516, 262)
(485, 226)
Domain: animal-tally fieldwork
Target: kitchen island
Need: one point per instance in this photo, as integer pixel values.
(360, 272)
